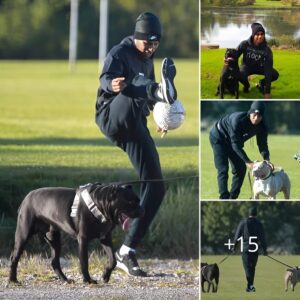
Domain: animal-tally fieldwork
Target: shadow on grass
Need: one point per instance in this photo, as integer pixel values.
(168, 141)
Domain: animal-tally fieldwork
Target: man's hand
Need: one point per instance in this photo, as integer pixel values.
(250, 165)
(268, 96)
(118, 84)
(160, 130)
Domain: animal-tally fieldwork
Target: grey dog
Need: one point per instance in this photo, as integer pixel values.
(47, 211)
(210, 273)
(293, 276)
(269, 182)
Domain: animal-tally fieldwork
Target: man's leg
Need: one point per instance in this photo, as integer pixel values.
(245, 260)
(262, 83)
(253, 257)
(221, 162)
(143, 155)
(244, 73)
(238, 167)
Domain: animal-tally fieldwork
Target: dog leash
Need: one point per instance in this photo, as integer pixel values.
(249, 177)
(153, 180)
(223, 259)
(279, 261)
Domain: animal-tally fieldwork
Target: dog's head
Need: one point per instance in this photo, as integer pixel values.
(262, 169)
(231, 54)
(118, 203)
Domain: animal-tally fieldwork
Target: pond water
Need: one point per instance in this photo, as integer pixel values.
(228, 27)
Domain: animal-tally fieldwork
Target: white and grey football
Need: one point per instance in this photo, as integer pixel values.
(168, 117)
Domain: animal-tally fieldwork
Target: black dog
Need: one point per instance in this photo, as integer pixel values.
(98, 209)
(230, 75)
(210, 273)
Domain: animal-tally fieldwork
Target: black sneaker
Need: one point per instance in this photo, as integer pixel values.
(260, 87)
(166, 87)
(250, 289)
(129, 264)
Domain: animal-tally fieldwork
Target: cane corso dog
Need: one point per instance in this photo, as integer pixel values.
(293, 276)
(269, 181)
(98, 209)
(211, 274)
(230, 75)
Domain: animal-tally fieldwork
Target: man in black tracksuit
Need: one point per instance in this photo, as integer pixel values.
(125, 97)
(257, 59)
(227, 138)
(253, 234)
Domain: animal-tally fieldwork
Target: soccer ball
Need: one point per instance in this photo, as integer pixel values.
(168, 117)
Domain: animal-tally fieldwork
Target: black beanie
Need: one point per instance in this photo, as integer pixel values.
(147, 27)
(257, 27)
(257, 107)
(253, 211)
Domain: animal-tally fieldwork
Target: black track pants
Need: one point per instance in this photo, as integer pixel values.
(249, 263)
(124, 123)
(223, 154)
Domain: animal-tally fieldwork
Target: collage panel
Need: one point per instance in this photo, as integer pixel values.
(250, 248)
(250, 150)
(256, 47)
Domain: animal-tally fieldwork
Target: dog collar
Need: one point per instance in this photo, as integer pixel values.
(269, 175)
(92, 206)
(85, 195)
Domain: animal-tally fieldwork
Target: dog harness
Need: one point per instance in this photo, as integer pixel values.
(85, 195)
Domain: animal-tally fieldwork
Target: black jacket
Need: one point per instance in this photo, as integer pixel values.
(237, 128)
(123, 60)
(254, 228)
(257, 58)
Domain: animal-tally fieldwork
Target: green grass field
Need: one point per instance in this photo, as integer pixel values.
(48, 136)
(271, 4)
(269, 279)
(282, 148)
(285, 62)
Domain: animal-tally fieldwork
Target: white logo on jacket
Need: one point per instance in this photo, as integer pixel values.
(269, 182)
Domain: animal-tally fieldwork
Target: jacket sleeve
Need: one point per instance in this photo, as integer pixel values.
(113, 68)
(268, 68)
(240, 49)
(262, 143)
(237, 142)
(239, 232)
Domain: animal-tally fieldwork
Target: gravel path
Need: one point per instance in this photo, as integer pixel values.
(167, 279)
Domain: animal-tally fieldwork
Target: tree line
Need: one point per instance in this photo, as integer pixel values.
(39, 29)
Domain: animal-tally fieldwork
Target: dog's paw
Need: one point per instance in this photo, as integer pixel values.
(106, 277)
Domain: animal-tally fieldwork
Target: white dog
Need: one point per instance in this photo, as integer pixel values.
(269, 182)
(293, 276)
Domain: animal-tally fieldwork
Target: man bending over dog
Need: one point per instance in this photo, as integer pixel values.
(126, 95)
(257, 59)
(253, 234)
(227, 138)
